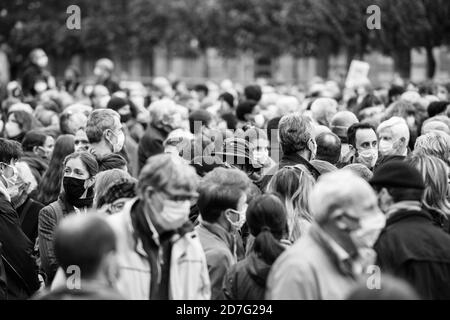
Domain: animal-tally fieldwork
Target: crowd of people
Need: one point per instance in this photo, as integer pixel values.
(112, 190)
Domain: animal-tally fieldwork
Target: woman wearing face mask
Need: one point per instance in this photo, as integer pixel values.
(77, 196)
(18, 124)
(36, 78)
(259, 149)
(294, 185)
(266, 219)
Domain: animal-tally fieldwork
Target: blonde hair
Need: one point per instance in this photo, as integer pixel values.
(294, 185)
(435, 175)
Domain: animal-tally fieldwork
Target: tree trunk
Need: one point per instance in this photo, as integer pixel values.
(323, 57)
(402, 62)
(431, 63)
(151, 62)
(205, 64)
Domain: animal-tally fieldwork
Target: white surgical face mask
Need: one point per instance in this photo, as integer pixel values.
(259, 120)
(386, 147)
(260, 157)
(368, 157)
(174, 214)
(369, 231)
(117, 147)
(239, 217)
(40, 86)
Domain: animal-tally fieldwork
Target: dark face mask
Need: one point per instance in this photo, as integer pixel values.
(125, 117)
(74, 189)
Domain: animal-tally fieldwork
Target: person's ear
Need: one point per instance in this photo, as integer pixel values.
(36, 150)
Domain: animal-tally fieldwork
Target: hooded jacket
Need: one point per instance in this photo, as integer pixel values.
(246, 280)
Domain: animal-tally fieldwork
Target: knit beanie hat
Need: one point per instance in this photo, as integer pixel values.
(397, 174)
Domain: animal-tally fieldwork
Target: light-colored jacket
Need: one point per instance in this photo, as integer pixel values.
(189, 278)
(308, 271)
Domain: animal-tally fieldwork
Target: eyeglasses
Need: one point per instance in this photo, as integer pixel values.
(193, 196)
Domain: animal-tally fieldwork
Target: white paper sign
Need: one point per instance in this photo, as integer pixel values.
(357, 74)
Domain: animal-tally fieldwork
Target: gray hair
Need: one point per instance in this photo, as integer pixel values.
(340, 189)
(295, 132)
(99, 121)
(434, 143)
(162, 110)
(166, 170)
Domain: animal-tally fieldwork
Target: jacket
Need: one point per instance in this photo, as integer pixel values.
(310, 270)
(49, 218)
(86, 292)
(28, 214)
(286, 161)
(412, 247)
(151, 144)
(20, 266)
(189, 278)
(246, 280)
(221, 253)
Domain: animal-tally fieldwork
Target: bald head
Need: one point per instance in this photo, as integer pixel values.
(323, 110)
(341, 122)
(328, 147)
(83, 241)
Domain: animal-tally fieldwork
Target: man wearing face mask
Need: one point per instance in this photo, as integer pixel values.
(100, 97)
(411, 246)
(249, 114)
(36, 78)
(334, 254)
(163, 114)
(38, 149)
(222, 204)
(394, 139)
(103, 71)
(298, 144)
(363, 142)
(159, 253)
(123, 108)
(105, 132)
(20, 267)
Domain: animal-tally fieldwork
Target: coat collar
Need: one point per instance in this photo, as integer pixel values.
(294, 159)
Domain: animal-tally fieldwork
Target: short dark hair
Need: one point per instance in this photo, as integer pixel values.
(244, 108)
(25, 120)
(84, 246)
(111, 161)
(202, 116)
(99, 121)
(437, 107)
(10, 150)
(395, 91)
(201, 88)
(33, 139)
(220, 190)
(351, 133)
(328, 147)
(253, 92)
(405, 194)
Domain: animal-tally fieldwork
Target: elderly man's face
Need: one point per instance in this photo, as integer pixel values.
(390, 143)
(364, 219)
